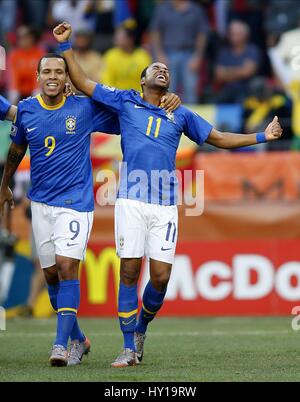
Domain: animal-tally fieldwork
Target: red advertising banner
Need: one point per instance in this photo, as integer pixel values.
(250, 175)
(208, 278)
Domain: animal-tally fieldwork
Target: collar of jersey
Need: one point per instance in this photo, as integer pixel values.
(140, 98)
(47, 107)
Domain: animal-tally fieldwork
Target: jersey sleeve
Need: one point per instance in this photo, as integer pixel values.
(104, 120)
(109, 97)
(4, 107)
(18, 134)
(195, 127)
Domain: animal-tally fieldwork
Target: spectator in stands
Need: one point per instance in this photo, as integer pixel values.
(236, 64)
(179, 32)
(79, 12)
(89, 59)
(251, 12)
(123, 63)
(22, 63)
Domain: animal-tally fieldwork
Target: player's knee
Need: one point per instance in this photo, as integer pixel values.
(129, 278)
(130, 271)
(51, 276)
(67, 269)
(160, 282)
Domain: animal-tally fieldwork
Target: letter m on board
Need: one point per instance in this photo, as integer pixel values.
(273, 191)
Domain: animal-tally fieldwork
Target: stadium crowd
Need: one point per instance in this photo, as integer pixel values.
(218, 51)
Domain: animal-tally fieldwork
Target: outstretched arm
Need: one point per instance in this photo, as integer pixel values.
(230, 140)
(7, 111)
(11, 114)
(15, 155)
(62, 34)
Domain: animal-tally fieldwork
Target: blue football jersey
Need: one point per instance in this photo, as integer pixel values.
(59, 143)
(4, 107)
(149, 140)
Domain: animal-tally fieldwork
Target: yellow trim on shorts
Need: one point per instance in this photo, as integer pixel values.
(127, 315)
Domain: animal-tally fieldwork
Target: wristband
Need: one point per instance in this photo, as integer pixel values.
(261, 137)
(65, 46)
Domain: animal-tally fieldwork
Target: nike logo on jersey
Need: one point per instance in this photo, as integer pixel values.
(31, 129)
(166, 249)
(71, 245)
(138, 107)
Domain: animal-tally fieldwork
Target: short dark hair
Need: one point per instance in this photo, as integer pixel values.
(52, 56)
(144, 72)
(143, 75)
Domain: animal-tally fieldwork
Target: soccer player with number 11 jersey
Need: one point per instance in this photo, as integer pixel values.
(146, 221)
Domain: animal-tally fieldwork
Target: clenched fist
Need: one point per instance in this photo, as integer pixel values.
(62, 32)
(274, 130)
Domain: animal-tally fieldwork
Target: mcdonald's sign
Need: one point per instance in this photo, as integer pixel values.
(99, 277)
(248, 277)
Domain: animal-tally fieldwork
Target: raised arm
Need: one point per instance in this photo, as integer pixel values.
(62, 34)
(15, 155)
(230, 140)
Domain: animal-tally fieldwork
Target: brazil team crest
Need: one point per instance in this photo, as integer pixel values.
(171, 117)
(121, 240)
(71, 124)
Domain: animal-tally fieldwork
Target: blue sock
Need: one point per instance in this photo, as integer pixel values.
(152, 302)
(76, 333)
(67, 304)
(127, 311)
(53, 291)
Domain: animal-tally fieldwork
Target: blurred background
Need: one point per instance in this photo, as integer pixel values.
(235, 62)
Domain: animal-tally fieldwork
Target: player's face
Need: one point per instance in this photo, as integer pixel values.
(157, 76)
(52, 77)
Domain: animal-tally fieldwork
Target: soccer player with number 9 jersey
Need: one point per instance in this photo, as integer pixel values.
(58, 132)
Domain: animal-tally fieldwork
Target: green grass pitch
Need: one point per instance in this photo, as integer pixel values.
(177, 349)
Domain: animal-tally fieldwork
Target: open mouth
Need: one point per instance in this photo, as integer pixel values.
(52, 85)
(161, 78)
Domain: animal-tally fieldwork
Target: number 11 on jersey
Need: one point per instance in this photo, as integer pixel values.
(158, 123)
